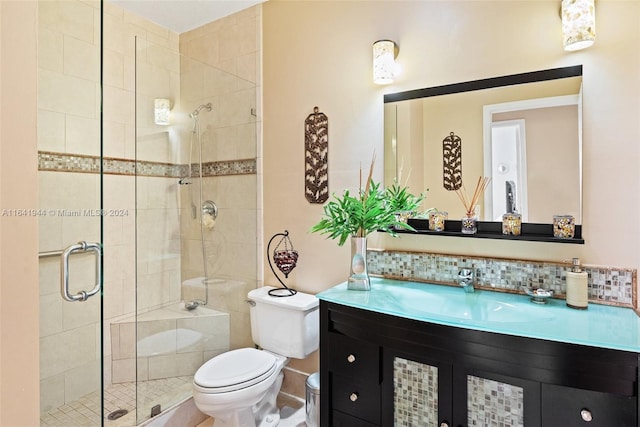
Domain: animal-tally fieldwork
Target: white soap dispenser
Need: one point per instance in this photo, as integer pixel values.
(577, 288)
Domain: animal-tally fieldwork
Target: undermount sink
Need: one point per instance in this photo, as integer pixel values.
(479, 306)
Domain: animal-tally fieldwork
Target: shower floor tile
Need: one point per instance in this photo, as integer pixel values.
(85, 412)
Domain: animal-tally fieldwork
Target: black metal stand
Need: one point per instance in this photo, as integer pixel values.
(285, 291)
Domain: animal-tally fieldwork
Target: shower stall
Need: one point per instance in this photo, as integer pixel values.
(172, 208)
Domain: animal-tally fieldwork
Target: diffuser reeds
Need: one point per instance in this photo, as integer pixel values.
(470, 204)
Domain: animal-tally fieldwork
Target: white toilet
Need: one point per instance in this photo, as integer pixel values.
(239, 388)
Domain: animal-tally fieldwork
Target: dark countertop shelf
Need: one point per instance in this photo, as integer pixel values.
(532, 232)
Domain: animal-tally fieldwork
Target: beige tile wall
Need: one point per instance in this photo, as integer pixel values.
(219, 66)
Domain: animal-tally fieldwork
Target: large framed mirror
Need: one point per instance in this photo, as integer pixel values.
(524, 131)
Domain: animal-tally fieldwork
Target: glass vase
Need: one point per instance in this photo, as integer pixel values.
(359, 277)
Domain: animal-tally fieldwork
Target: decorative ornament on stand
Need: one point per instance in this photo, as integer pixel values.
(316, 155)
(286, 259)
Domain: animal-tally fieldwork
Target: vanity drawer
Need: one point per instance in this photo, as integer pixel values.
(354, 398)
(563, 406)
(354, 358)
(344, 420)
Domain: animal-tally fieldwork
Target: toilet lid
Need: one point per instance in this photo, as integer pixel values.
(243, 367)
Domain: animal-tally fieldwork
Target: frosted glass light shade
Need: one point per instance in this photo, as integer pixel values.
(578, 24)
(384, 54)
(162, 107)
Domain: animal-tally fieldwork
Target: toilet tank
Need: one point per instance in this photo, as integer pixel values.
(288, 326)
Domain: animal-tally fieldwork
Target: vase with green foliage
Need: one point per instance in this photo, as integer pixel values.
(401, 202)
(354, 216)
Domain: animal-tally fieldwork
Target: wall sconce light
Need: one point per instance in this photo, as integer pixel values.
(578, 24)
(162, 107)
(384, 61)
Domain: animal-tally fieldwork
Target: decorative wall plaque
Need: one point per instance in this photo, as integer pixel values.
(316, 156)
(452, 162)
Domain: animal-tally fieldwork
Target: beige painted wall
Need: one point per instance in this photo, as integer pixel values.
(318, 53)
(19, 364)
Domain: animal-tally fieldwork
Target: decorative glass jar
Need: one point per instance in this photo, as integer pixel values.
(512, 224)
(469, 225)
(437, 219)
(564, 226)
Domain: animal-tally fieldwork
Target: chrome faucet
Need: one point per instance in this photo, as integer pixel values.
(465, 279)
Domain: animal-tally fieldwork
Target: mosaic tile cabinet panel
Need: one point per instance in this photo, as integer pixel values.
(415, 389)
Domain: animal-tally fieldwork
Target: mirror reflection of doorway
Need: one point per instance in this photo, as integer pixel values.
(552, 157)
(509, 168)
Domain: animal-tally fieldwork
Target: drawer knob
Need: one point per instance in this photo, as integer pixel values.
(586, 415)
(444, 424)
(353, 397)
(351, 358)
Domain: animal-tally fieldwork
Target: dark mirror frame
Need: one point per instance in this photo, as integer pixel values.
(491, 229)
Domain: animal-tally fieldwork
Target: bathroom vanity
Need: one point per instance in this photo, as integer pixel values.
(409, 353)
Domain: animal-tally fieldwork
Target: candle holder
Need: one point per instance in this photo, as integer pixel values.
(437, 219)
(512, 224)
(564, 226)
(286, 260)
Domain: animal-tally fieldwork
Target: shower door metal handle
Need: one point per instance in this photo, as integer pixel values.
(80, 247)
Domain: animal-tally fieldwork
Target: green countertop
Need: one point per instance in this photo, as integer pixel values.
(599, 326)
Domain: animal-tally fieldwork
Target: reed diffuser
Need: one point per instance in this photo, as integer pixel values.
(469, 221)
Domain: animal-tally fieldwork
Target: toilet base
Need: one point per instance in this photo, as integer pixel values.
(240, 418)
(265, 413)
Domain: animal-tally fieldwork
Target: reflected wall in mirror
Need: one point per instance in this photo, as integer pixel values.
(523, 130)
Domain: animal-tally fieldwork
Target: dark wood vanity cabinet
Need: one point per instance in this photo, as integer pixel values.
(382, 370)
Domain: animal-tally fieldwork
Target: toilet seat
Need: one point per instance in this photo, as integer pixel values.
(235, 370)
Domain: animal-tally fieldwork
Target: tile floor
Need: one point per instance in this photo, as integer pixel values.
(85, 412)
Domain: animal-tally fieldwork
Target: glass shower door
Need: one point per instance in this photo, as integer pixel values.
(70, 212)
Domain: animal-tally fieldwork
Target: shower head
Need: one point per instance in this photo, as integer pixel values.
(195, 112)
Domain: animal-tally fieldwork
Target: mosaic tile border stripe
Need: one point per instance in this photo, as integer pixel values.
(607, 285)
(79, 163)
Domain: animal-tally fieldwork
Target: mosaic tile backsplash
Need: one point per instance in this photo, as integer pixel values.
(615, 286)
(415, 393)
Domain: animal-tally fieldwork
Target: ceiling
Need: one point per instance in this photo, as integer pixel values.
(183, 15)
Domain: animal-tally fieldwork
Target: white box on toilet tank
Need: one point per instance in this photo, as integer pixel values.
(288, 326)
